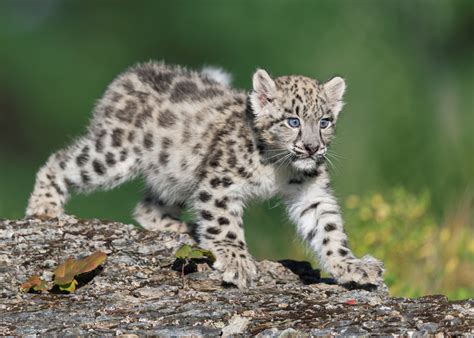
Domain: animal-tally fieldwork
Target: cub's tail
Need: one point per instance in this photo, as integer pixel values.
(217, 74)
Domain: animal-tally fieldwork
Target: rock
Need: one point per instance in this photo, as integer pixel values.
(47, 276)
(237, 325)
(137, 293)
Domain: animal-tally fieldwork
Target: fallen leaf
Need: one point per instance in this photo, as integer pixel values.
(35, 283)
(71, 287)
(65, 272)
(91, 262)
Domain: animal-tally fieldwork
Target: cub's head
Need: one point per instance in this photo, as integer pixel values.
(295, 117)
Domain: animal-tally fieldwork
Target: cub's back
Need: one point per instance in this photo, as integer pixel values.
(168, 116)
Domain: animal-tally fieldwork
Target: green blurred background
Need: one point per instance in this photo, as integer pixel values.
(405, 164)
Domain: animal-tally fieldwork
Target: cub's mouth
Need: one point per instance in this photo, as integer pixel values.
(305, 162)
(315, 158)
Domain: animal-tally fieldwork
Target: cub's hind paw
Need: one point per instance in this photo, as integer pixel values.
(366, 270)
(43, 209)
(239, 270)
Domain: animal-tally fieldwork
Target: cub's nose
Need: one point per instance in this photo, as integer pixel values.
(311, 149)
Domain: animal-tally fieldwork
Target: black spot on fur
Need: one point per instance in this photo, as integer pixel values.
(208, 93)
(110, 159)
(99, 144)
(231, 235)
(310, 235)
(244, 173)
(128, 112)
(314, 173)
(329, 253)
(148, 141)
(131, 136)
(164, 158)
(166, 119)
(311, 207)
(57, 188)
(182, 90)
(186, 135)
(221, 203)
(227, 181)
(214, 162)
(330, 227)
(82, 159)
(249, 145)
(159, 81)
(206, 215)
(123, 155)
(99, 167)
(295, 181)
(166, 143)
(204, 196)
(232, 160)
(137, 150)
(325, 241)
(117, 135)
(343, 252)
(108, 110)
(215, 182)
(214, 230)
(223, 221)
(85, 177)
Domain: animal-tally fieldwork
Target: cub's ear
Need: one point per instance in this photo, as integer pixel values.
(335, 89)
(264, 90)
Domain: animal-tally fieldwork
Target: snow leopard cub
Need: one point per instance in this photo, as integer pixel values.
(201, 144)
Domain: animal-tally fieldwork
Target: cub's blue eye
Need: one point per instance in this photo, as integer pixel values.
(293, 122)
(324, 123)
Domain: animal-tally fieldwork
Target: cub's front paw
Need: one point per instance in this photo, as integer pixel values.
(43, 209)
(237, 268)
(366, 270)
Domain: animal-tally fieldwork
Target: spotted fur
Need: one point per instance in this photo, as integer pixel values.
(200, 144)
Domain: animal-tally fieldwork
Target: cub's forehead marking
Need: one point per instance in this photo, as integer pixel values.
(301, 95)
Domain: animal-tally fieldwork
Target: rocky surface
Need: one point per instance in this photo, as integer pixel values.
(137, 292)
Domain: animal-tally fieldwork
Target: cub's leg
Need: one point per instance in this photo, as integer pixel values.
(316, 212)
(156, 215)
(220, 229)
(99, 160)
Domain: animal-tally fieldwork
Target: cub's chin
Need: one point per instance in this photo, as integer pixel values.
(305, 164)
